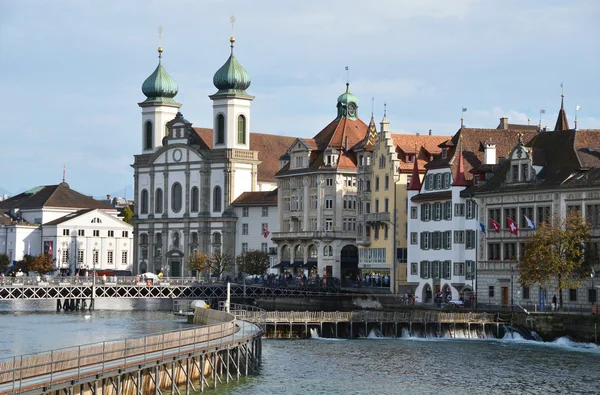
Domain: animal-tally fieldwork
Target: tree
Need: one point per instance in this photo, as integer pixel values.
(4, 262)
(41, 264)
(219, 263)
(555, 254)
(255, 262)
(24, 264)
(127, 215)
(199, 262)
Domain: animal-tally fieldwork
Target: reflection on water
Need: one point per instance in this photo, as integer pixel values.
(34, 326)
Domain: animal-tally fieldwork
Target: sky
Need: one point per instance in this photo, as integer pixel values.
(72, 71)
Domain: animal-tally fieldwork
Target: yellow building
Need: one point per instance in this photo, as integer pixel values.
(385, 166)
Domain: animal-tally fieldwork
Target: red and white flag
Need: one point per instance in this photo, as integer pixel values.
(495, 225)
(266, 232)
(512, 226)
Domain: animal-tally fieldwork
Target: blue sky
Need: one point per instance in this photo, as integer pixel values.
(72, 71)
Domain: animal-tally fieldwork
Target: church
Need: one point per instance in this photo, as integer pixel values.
(186, 179)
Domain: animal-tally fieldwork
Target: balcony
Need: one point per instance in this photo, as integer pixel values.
(377, 217)
(235, 154)
(497, 265)
(330, 234)
(364, 241)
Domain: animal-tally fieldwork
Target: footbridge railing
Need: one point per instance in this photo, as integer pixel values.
(103, 361)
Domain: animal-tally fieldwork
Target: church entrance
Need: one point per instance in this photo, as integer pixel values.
(175, 268)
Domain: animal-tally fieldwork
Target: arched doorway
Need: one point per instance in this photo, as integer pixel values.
(349, 263)
(426, 293)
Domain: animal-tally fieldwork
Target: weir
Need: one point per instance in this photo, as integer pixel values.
(222, 349)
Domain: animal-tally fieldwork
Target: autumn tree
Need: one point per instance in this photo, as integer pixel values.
(555, 255)
(41, 264)
(127, 215)
(219, 263)
(199, 262)
(254, 262)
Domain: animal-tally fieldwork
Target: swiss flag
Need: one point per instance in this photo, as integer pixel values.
(512, 226)
(495, 225)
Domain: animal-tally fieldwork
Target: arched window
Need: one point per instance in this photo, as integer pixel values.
(312, 252)
(176, 197)
(299, 253)
(241, 130)
(158, 201)
(285, 253)
(327, 251)
(194, 238)
(195, 199)
(144, 238)
(148, 143)
(158, 238)
(220, 129)
(216, 239)
(217, 199)
(144, 202)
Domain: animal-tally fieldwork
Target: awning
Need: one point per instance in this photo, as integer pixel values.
(309, 264)
(281, 265)
(297, 264)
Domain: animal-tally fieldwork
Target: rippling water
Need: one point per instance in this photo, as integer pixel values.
(330, 366)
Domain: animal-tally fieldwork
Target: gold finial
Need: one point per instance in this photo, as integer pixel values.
(232, 38)
(160, 48)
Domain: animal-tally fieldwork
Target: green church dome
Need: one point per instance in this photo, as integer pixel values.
(347, 97)
(232, 77)
(160, 86)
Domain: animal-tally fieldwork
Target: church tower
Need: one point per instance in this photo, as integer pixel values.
(159, 106)
(231, 105)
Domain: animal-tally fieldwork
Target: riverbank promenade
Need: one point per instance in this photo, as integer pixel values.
(219, 350)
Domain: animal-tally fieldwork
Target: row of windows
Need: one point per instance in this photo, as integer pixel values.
(246, 212)
(95, 257)
(372, 255)
(437, 181)
(263, 227)
(241, 129)
(443, 239)
(263, 248)
(95, 233)
(177, 199)
(442, 269)
(443, 211)
(526, 294)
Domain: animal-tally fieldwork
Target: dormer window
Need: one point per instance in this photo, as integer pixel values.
(444, 153)
(476, 179)
(410, 158)
(524, 172)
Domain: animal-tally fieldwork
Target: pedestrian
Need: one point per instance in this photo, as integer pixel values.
(554, 305)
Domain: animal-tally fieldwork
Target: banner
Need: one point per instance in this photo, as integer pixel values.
(48, 247)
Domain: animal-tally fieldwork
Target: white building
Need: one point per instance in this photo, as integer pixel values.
(77, 231)
(258, 218)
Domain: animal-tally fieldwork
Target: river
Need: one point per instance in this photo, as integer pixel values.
(329, 366)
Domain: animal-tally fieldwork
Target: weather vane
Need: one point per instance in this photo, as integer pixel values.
(232, 20)
(160, 30)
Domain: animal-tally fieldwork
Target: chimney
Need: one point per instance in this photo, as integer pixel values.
(489, 155)
(503, 123)
(430, 132)
(108, 197)
(346, 144)
(417, 133)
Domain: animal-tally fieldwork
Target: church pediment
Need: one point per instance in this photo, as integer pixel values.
(174, 254)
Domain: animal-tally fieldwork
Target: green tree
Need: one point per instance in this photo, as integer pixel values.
(4, 262)
(199, 262)
(555, 255)
(219, 263)
(255, 262)
(24, 264)
(127, 215)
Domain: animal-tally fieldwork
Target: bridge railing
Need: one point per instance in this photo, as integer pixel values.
(106, 356)
(89, 280)
(249, 313)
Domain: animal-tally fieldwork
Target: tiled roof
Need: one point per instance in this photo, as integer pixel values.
(261, 198)
(473, 150)
(523, 127)
(334, 135)
(52, 196)
(426, 145)
(562, 122)
(368, 142)
(269, 146)
(5, 218)
(424, 197)
(562, 156)
(68, 217)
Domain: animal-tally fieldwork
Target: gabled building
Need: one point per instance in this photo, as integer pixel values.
(443, 225)
(317, 198)
(548, 174)
(78, 231)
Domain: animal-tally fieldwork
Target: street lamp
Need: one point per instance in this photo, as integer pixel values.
(592, 275)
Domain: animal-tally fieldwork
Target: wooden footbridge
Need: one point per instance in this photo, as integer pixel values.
(179, 361)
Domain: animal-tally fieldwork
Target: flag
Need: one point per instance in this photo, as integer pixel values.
(481, 226)
(266, 232)
(530, 223)
(495, 225)
(464, 109)
(346, 67)
(512, 226)
(542, 111)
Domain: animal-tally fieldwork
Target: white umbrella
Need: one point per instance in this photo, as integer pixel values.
(150, 275)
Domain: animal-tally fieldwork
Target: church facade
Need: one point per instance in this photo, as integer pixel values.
(186, 178)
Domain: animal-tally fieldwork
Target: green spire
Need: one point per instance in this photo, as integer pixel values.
(232, 78)
(159, 86)
(347, 104)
